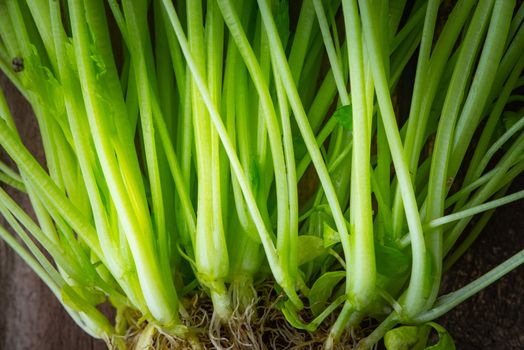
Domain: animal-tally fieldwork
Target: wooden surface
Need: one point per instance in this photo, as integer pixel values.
(31, 317)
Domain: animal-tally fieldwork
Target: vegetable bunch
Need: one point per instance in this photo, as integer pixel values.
(258, 152)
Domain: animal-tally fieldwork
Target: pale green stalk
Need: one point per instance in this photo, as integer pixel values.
(210, 246)
(285, 233)
(362, 271)
(263, 232)
(414, 299)
(122, 176)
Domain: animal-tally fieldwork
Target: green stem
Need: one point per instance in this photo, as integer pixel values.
(240, 175)
(273, 130)
(414, 299)
(361, 277)
(120, 167)
(303, 124)
(447, 302)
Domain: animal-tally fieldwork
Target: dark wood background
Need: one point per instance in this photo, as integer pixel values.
(31, 317)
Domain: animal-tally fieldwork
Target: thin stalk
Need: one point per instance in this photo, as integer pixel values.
(271, 125)
(122, 174)
(98, 325)
(303, 124)
(211, 256)
(447, 302)
(414, 299)
(289, 244)
(78, 124)
(493, 185)
(477, 163)
(430, 76)
(50, 192)
(482, 82)
(438, 184)
(361, 277)
(466, 213)
(299, 49)
(240, 175)
(473, 233)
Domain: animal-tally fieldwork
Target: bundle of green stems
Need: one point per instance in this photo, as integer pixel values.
(255, 151)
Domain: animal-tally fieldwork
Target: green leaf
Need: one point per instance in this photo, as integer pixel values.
(322, 290)
(416, 337)
(291, 315)
(344, 116)
(92, 296)
(330, 236)
(445, 341)
(96, 56)
(71, 299)
(390, 261)
(309, 248)
(406, 338)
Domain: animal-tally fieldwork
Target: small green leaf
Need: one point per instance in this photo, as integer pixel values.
(330, 236)
(416, 337)
(344, 116)
(96, 56)
(322, 290)
(67, 300)
(445, 341)
(390, 261)
(309, 248)
(291, 315)
(406, 338)
(92, 296)
(71, 299)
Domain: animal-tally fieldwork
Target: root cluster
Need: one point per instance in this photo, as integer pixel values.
(257, 326)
